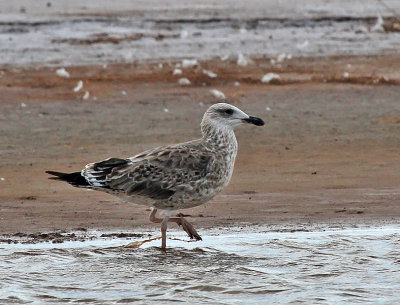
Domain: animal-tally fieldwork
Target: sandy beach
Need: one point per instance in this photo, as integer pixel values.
(329, 152)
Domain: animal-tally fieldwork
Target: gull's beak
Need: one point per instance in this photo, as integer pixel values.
(254, 120)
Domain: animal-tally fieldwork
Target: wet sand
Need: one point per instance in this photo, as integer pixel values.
(56, 32)
(329, 153)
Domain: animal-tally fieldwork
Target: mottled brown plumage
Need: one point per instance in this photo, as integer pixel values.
(175, 176)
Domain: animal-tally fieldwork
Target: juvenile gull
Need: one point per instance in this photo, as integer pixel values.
(172, 177)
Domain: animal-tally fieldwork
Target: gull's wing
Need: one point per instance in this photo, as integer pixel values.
(156, 174)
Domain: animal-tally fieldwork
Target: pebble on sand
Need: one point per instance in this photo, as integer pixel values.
(210, 74)
(217, 94)
(283, 56)
(184, 81)
(86, 96)
(78, 86)
(269, 77)
(189, 63)
(177, 71)
(62, 73)
(242, 60)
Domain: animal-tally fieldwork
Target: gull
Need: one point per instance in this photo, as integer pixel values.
(172, 177)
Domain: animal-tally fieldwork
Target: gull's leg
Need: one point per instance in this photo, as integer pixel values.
(164, 229)
(180, 221)
(153, 217)
(186, 226)
(164, 223)
(164, 232)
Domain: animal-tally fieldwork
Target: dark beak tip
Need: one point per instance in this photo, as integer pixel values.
(259, 122)
(255, 121)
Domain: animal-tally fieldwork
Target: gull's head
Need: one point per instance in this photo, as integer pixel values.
(226, 115)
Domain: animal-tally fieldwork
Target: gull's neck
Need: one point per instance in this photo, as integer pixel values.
(219, 135)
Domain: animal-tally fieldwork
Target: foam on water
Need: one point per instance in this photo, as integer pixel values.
(254, 266)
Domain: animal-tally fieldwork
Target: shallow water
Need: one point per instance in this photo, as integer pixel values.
(87, 33)
(253, 267)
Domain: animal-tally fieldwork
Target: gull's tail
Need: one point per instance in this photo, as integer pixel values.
(75, 179)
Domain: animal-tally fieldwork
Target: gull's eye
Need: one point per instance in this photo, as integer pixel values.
(229, 111)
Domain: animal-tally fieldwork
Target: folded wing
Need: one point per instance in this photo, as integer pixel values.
(156, 174)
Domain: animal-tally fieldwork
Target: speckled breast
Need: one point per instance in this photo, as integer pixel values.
(201, 191)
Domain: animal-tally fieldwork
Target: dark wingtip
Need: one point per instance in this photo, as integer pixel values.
(255, 121)
(57, 174)
(74, 179)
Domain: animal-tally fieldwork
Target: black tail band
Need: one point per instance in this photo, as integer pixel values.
(75, 179)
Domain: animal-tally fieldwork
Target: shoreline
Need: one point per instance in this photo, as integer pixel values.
(82, 235)
(284, 211)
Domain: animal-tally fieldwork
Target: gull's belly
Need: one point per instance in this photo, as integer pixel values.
(190, 195)
(193, 196)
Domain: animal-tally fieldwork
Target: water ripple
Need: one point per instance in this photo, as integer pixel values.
(344, 266)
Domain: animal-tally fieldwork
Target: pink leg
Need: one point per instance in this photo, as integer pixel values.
(164, 223)
(179, 220)
(164, 232)
(186, 226)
